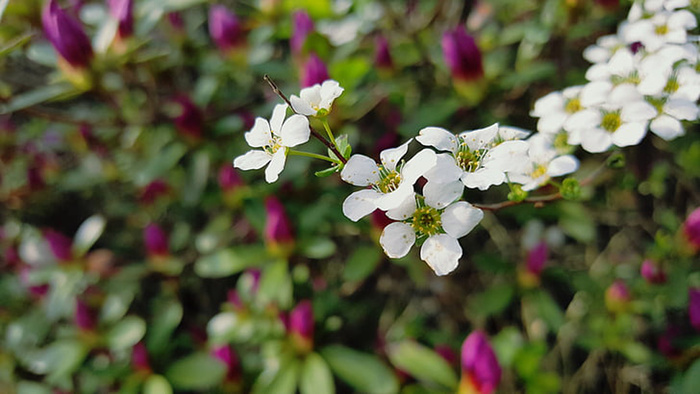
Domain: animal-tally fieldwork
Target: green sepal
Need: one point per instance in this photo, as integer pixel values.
(517, 193)
(570, 189)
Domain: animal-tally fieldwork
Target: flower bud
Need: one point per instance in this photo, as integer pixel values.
(302, 25)
(190, 121)
(301, 326)
(153, 191)
(617, 297)
(694, 307)
(156, 241)
(481, 372)
(529, 275)
(652, 273)
(447, 354)
(123, 12)
(59, 244)
(462, 55)
(228, 178)
(278, 231)
(225, 28)
(84, 318)
(691, 229)
(382, 56)
(228, 357)
(666, 341)
(139, 358)
(66, 35)
(314, 72)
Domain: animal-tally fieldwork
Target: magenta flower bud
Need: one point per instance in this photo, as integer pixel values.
(691, 228)
(617, 297)
(175, 20)
(156, 240)
(447, 354)
(225, 28)
(190, 122)
(278, 230)
(11, 256)
(666, 342)
(59, 244)
(233, 298)
(66, 35)
(301, 326)
(228, 357)
(694, 307)
(537, 258)
(228, 178)
(84, 317)
(481, 372)
(302, 25)
(139, 358)
(123, 12)
(315, 72)
(382, 56)
(652, 273)
(153, 191)
(462, 55)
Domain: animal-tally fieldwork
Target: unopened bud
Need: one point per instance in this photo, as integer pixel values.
(314, 71)
(301, 326)
(481, 372)
(652, 273)
(617, 297)
(156, 241)
(570, 189)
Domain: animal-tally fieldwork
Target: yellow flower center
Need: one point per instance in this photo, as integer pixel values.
(469, 160)
(611, 121)
(672, 85)
(661, 30)
(539, 171)
(426, 221)
(389, 180)
(573, 105)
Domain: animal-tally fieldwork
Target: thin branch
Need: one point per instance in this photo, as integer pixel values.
(316, 135)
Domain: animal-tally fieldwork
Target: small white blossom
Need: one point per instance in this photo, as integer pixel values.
(439, 229)
(316, 100)
(555, 108)
(664, 27)
(542, 164)
(275, 138)
(391, 182)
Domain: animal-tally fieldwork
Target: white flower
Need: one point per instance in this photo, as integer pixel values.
(667, 123)
(555, 108)
(662, 28)
(391, 181)
(275, 138)
(316, 100)
(542, 164)
(471, 156)
(604, 48)
(439, 230)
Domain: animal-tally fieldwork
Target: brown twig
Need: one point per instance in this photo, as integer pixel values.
(316, 135)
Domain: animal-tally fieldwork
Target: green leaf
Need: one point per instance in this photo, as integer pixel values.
(59, 359)
(316, 377)
(163, 162)
(227, 262)
(362, 263)
(506, 344)
(691, 378)
(157, 384)
(548, 310)
(276, 285)
(37, 96)
(88, 233)
(318, 247)
(198, 371)
(27, 387)
(282, 380)
(116, 305)
(226, 327)
(167, 316)
(492, 301)
(15, 43)
(422, 363)
(364, 372)
(198, 176)
(126, 333)
(327, 172)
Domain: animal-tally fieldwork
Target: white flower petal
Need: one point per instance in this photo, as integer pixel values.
(681, 109)
(483, 178)
(301, 107)
(276, 165)
(562, 165)
(552, 122)
(622, 62)
(438, 138)
(391, 157)
(629, 134)
(397, 239)
(666, 127)
(596, 140)
(583, 120)
(598, 72)
(395, 198)
(460, 218)
(595, 93)
(295, 131)
(278, 114)
(445, 170)
(312, 95)
(440, 195)
(623, 94)
(552, 102)
(260, 134)
(419, 164)
(403, 211)
(330, 90)
(360, 204)
(637, 111)
(442, 253)
(507, 156)
(252, 160)
(360, 170)
(477, 139)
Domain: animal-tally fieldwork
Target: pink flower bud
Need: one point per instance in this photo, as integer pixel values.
(66, 35)
(190, 121)
(652, 273)
(481, 372)
(59, 244)
(153, 191)
(666, 342)
(691, 228)
(228, 178)
(537, 258)
(382, 56)
(617, 297)
(225, 28)
(447, 353)
(462, 55)
(175, 20)
(139, 358)
(694, 307)
(314, 72)
(156, 241)
(302, 25)
(233, 298)
(228, 357)
(301, 326)
(84, 317)
(123, 12)
(278, 230)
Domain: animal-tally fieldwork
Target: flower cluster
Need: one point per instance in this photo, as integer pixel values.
(643, 78)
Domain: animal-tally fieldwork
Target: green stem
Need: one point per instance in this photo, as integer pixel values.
(312, 155)
(329, 132)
